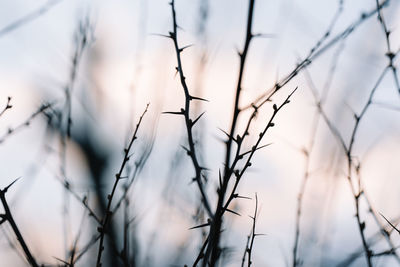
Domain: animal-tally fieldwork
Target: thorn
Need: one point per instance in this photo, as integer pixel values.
(197, 98)
(194, 122)
(234, 212)
(238, 196)
(66, 263)
(394, 227)
(183, 48)
(204, 168)
(161, 35)
(3, 219)
(7, 187)
(253, 149)
(194, 179)
(200, 226)
(186, 149)
(173, 112)
(264, 35)
(259, 234)
(227, 135)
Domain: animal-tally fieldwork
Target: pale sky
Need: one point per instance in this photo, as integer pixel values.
(35, 60)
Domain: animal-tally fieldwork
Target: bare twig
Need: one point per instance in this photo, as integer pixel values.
(86, 247)
(82, 39)
(7, 107)
(26, 123)
(105, 222)
(390, 54)
(317, 50)
(215, 230)
(7, 216)
(139, 165)
(253, 235)
(308, 150)
(347, 149)
(189, 123)
(83, 201)
(386, 229)
(394, 227)
(212, 251)
(28, 18)
(245, 250)
(74, 247)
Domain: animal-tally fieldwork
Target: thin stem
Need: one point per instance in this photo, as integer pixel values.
(317, 50)
(7, 216)
(308, 150)
(213, 249)
(28, 18)
(26, 123)
(7, 107)
(105, 222)
(347, 149)
(189, 123)
(253, 234)
(391, 55)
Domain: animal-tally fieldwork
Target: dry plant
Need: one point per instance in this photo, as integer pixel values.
(108, 234)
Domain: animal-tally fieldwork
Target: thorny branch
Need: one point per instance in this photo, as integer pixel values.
(82, 39)
(386, 229)
(105, 222)
(347, 149)
(238, 174)
(251, 237)
(28, 18)
(317, 50)
(139, 165)
(392, 225)
(83, 201)
(26, 123)
(390, 54)
(211, 243)
(307, 151)
(191, 151)
(212, 251)
(7, 216)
